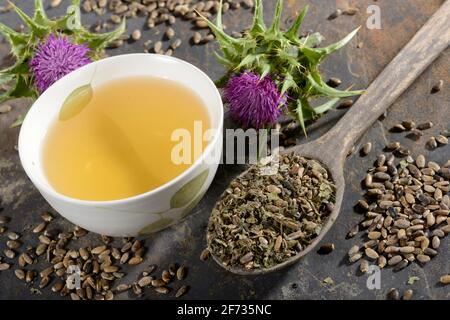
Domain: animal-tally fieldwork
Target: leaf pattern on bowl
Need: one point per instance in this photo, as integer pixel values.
(75, 102)
(187, 192)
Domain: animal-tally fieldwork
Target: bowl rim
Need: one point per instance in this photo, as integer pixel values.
(209, 148)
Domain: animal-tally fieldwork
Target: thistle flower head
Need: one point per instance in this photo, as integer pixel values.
(56, 57)
(253, 102)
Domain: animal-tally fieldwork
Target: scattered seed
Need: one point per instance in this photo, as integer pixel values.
(335, 14)
(437, 87)
(334, 82)
(4, 266)
(5, 108)
(393, 294)
(182, 291)
(326, 248)
(425, 125)
(445, 279)
(136, 35)
(366, 149)
(431, 143)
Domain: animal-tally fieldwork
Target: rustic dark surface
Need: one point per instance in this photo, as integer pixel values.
(184, 242)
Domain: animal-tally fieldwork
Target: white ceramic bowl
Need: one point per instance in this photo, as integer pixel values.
(145, 213)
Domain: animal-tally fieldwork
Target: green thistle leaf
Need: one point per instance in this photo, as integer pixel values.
(299, 116)
(36, 28)
(99, 41)
(17, 41)
(40, 17)
(292, 32)
(326, 106)
(258, 19)
(275, 27)
(326, 90)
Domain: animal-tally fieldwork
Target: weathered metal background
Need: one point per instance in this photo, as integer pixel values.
(184, 242)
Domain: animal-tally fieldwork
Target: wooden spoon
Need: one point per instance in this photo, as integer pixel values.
(332, 148)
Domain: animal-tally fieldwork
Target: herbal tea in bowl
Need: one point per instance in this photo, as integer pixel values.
(125, 146)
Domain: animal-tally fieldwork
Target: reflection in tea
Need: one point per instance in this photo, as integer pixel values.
(120, 144)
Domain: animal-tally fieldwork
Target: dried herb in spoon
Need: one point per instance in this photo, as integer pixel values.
(263, 220)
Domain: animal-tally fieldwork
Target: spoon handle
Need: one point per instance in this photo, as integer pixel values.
(421, 50)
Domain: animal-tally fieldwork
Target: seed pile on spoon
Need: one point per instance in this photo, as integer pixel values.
(406, 209)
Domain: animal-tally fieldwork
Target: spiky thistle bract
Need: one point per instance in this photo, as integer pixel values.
(291, 60)
(19, 77)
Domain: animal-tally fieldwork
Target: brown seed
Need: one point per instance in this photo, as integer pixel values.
(158, 283)
(364, 266)
(326, 248)
(111, 269)
(157, 47)
(407, 295)
(353, 231)
(422, 258)
(382, 261)
(355, 257)
(437, 87)
(170, 33)
(182, 291)
(5, 108)
(4, 219)
(29, 276)
(162, 290)
(135, 260)
(176, 44)
(441, 139)
(398, 128)
(196, 38)
(13, 244)
(13, 236)
(393, 294)
(47, 216)
(350, 11)
(345, 104)
(20, 274)
(445, 279)
(4, 266)
(145, 281)
(44, 239)
(393, 145)
(394, 260)
(372, 254)
(166, 276)
(335, 14)
(44, 282)
(201, 24)
(401, 265)
(98, 250)
(40, 227)
(205, 254)
(366, 149)
(58, 286)
(334, 82)
(181, 273)
(122, 287)
(136, 35)
(425, 125)
(9, 253)
(55, 3)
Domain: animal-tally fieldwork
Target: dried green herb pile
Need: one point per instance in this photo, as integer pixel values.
(263, 220)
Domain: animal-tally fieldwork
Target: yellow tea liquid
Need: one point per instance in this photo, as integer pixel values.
(120, 144)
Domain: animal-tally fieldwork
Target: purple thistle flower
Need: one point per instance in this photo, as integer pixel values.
(253, 102)
(55, 58)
